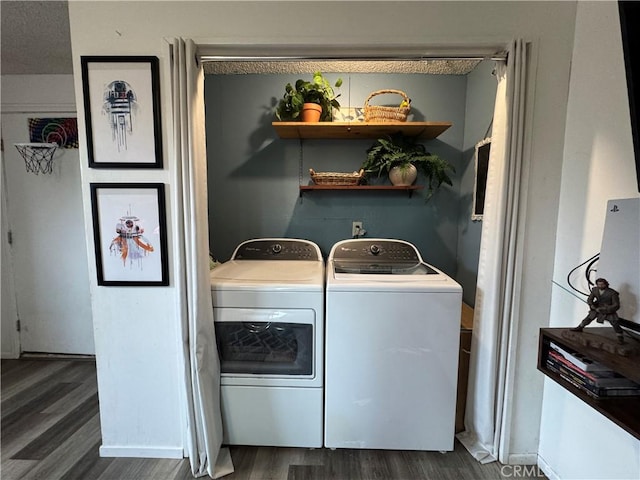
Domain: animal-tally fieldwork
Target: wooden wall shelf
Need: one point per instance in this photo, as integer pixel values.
(623, 411)
(410, 189)
(356, 130)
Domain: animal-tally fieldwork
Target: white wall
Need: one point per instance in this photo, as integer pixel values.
(44, 273)
(9, 336)
(142, 364)
(598, 165)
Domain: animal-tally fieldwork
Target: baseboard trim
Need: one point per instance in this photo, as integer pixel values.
(523, 459)
(56, 356)
(141, 452)
(546, 468)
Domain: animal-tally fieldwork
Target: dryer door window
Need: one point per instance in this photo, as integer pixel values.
(253, 346)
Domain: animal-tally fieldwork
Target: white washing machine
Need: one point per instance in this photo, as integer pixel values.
(269, 319)
(392, 338)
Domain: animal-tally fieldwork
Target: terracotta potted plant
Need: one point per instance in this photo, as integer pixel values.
(402, 158)
(315, 96)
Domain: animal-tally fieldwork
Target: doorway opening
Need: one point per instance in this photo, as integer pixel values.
(254, 176)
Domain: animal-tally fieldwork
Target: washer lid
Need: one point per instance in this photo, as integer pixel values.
(382, 268)
(378, 256)
(369, 264)
(427, 279)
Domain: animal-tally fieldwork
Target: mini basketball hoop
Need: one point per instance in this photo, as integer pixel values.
(38, 157)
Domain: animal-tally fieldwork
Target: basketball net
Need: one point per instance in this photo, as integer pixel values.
(38, 157)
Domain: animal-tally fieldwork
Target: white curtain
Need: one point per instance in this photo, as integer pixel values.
(498, 281)
(202, 367)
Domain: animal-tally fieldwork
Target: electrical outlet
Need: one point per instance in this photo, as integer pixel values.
(356, 229)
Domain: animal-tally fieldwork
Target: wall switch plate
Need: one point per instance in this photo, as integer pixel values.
(356, 229)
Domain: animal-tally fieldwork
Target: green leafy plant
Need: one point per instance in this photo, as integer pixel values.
(401, 151)
(318, 90)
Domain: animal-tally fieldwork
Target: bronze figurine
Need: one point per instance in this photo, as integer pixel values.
(603, 302)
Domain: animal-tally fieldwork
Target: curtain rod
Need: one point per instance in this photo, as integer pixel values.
(296, 58)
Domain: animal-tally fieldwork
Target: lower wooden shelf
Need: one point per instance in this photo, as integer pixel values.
(623, 411)
(410, 189)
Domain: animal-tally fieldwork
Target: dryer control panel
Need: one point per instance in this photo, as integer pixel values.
(277, 249)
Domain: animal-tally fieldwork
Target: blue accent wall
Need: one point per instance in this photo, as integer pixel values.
(254, 176)
(481, 98)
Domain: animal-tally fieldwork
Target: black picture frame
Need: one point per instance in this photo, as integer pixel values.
(122, 111)
(130, 234)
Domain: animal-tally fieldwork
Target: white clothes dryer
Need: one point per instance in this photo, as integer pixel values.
(269, 319)
(392, 344)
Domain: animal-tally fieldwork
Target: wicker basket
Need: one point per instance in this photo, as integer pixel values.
(374, 113)
(333, 178)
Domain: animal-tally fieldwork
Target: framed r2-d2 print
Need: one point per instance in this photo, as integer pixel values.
(122, 111)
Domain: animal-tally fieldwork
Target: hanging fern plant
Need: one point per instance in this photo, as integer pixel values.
(401, 151)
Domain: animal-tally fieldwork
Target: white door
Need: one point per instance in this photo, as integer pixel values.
(48, 251)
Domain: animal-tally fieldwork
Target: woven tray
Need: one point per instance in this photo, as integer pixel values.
(375, 113)
(334, 178)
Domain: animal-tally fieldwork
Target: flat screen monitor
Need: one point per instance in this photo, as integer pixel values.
(630, 28)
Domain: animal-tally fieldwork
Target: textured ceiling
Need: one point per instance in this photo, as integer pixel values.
(446, 67)
(35, 38)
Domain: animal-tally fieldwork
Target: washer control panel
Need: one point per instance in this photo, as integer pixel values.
(378, 256)
(277, 249)
(387, 251)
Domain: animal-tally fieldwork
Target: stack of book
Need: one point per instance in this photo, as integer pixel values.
(591, 377)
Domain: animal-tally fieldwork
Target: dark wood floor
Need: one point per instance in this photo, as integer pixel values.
(51, 430)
